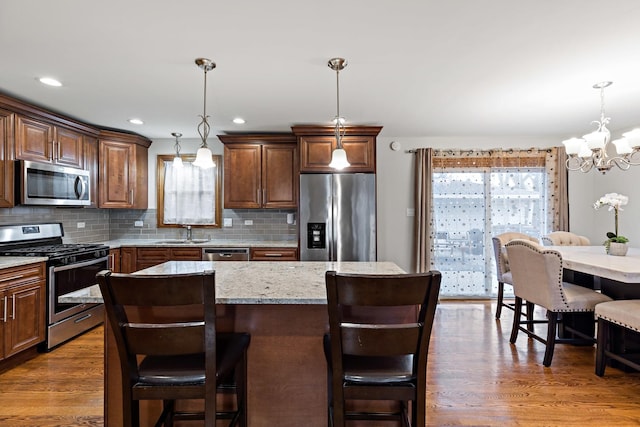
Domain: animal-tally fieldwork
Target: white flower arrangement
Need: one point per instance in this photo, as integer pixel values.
(615, 202)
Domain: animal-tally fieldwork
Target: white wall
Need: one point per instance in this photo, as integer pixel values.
(395, 193)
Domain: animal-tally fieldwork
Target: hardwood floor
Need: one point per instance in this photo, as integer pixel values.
(476, 378)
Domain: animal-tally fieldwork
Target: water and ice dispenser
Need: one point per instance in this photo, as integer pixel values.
(316, 235)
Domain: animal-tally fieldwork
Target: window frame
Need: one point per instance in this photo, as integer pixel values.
(187, 158)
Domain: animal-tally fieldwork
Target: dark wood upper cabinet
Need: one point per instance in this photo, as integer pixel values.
(44, 142)
(316, 144)
(7, 166)
(123, 176)
(260, 171)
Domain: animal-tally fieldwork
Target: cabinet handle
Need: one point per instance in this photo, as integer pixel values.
(131, 196)
(258, 196)
(274, 255)
(264, 195)
(13, 307)
(112, 261)
(6, 279)
(4, 316)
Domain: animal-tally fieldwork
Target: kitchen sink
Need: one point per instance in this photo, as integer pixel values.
(181, 241)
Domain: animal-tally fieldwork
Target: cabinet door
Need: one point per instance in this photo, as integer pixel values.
(90, 155)
(279, 176)
(127, 260)
(123, 176)
(116, 179)
(6, 160)
(68, 148)
(242, 175)
(33, 140)
(26, 317)
(114, 260)
(4, 327)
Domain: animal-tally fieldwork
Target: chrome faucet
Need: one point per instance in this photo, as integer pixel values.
(189, 232)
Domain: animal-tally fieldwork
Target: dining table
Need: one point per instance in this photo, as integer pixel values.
(615, 276)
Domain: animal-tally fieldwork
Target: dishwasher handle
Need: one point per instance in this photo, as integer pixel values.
(225, 254)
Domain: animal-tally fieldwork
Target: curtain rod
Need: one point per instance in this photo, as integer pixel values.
(489, 151)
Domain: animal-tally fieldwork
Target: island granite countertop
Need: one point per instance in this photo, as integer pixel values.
(295, 282)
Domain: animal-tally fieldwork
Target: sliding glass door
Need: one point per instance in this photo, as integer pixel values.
(472, 204)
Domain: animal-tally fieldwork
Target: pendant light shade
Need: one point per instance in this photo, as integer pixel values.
(339, 159)
(339, 156)
(177, 160)
(203, 155)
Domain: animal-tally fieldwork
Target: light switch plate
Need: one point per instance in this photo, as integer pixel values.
(411, 212)
(138, 224)
(228, 222)
(248, 222)
(80, 225)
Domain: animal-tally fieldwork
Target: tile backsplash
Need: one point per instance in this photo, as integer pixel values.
(96, 225)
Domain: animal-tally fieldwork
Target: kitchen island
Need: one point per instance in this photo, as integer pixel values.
(283, 306)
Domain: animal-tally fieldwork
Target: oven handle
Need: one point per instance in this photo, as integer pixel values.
(80, 264)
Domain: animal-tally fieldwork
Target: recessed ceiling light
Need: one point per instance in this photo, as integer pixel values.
(50, 81)
(239, 121)
(136, 121)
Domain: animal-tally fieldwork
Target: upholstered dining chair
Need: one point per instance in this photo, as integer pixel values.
(621, 316)
(378, 343)
(502, 264)
(565, 238)
(165, 332)
(537, 278)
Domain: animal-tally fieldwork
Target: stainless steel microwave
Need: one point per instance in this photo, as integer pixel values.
(45, 184)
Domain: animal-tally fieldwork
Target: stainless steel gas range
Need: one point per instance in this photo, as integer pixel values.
(70, 267)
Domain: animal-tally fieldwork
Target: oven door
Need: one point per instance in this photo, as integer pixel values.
(70, 278)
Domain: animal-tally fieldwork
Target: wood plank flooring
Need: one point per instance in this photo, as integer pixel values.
(476, 378)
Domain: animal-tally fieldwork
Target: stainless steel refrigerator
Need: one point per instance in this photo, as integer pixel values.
(337, 217)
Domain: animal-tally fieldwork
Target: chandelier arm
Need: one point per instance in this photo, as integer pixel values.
(620, 162)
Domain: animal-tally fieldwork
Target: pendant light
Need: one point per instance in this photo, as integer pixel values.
(177, 160)
(203, 155)
(339, 156)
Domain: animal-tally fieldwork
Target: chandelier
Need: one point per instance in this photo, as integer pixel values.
(594, 150)
(339, 156)
(203, 155)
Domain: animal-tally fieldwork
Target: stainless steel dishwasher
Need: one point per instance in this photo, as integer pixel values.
(225, 254)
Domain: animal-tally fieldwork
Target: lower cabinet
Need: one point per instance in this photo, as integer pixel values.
(22, 307)
(273, 254)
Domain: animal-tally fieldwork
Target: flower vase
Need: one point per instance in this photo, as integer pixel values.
(617, 249)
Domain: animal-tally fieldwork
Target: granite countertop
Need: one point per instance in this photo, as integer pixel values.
(16, 261)
(292, 282)
(202, 243)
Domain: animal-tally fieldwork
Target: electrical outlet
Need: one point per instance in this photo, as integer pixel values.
(411, 212)
(228, 222)
(248, 222)
(138, 224)
(80, 225)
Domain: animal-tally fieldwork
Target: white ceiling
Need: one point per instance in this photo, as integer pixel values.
(416, 67)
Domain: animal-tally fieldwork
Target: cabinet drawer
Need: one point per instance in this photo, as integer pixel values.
(22, 274)
(144, 254)
(274, 254)
(186, 254)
